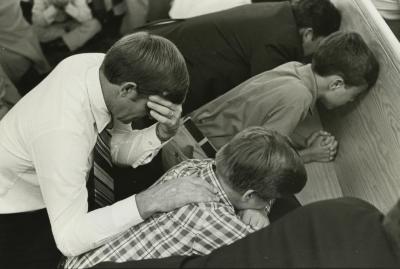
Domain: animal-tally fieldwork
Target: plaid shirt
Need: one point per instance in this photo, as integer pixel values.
(194, 229)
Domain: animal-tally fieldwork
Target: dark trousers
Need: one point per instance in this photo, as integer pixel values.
(26, 241)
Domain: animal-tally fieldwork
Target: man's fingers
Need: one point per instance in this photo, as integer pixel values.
(160, 100)
(160, 118)
(202, 195)
(205, 185)
(159, 108)
(176, 108)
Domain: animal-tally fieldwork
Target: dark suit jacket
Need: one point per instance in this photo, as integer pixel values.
(339, 233)
(225, 48)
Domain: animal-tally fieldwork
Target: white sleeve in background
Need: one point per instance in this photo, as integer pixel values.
(43, 13)
(79, 10)
(182, 9)
(60, 158)
(134, 147)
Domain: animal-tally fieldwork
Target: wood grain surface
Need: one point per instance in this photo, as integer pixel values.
(368, 162)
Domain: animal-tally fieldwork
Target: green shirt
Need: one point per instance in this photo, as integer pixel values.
(278, 99)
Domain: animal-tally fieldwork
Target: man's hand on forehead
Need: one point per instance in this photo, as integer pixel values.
(167, 114)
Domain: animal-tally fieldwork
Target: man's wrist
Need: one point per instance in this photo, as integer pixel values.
(162, 136)
(144, 205)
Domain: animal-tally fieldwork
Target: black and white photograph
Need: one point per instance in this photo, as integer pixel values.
(199, 134)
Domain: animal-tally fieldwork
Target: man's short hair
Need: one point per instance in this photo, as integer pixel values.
(320, 15)
(152, 62)
(346, 55)
(264, 161)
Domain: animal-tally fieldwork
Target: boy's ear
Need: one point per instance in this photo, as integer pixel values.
(128, 90)
(336, 83)
(307, 34)
(248, 195)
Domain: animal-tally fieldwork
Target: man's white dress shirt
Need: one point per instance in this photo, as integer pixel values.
(46, 145)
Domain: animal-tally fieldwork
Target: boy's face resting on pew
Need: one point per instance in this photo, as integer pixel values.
(344, 67)
(339, 93)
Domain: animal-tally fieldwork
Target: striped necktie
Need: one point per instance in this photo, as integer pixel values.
(101, 182)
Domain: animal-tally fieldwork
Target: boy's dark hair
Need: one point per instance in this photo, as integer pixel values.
(264, 161)
(320, 15)
(152, 62)
(346, 55)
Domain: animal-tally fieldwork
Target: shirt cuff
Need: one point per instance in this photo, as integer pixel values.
(126, 213)
(153, 135)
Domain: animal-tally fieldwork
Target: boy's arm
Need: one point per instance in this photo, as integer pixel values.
(285, 118)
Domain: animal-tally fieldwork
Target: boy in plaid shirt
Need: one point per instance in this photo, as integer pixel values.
(253, 169)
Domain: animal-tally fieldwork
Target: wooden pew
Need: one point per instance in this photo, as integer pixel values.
(368, 162)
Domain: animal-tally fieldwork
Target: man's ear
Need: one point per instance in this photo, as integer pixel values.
(336, 83)
(128, 90)
(248, 195)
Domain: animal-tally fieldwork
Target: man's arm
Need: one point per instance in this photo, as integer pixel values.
(268, 56)
(133, 147)
(60, 159)
(138, 147)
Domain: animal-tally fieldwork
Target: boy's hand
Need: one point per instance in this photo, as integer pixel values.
(167, 114)
(321, 146)
(257, 219)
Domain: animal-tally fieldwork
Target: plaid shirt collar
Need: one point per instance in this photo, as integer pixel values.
(211, 178)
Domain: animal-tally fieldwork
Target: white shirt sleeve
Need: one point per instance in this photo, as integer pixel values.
(60, 159)
(79, 10)
(43, 13)
(134, 147)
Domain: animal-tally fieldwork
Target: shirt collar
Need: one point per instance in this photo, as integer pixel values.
(306, 74)
(98, 106)
(215, 182)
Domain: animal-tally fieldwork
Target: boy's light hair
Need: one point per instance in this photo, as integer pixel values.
(261, 160)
